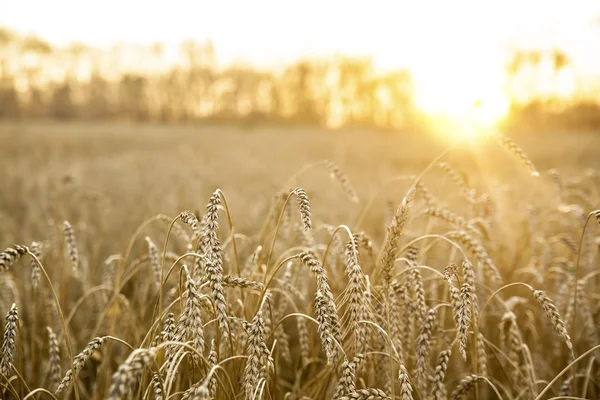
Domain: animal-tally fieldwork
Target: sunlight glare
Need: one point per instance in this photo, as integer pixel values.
(465, 104)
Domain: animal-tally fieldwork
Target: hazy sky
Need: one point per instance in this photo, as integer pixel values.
(456, 50)
(393, 32)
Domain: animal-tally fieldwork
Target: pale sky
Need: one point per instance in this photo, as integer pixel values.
(393, 32)
(440, 41)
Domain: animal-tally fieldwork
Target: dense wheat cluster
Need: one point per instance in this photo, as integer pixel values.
(421, 293)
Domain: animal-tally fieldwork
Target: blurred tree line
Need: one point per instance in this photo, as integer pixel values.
(135, 83)
(547, 93)
(38, 81)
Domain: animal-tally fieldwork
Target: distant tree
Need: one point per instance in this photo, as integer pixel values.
(97, 104)
(530, 61)
(299, 80)
(559, 59)
(394, 99)
(355, 89)
(61, 106)
(36, 107)
(10, 106)
(35, 52)
(522, 71)
(132, 97)
(6, 38)
(9, 98)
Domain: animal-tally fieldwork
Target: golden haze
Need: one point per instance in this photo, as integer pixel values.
(458, 54)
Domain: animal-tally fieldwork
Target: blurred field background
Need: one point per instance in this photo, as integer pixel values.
(130, 172)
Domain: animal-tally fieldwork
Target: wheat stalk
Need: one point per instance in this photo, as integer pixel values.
(251, 263)
(128, 373)
(8, 342)
(303, 339)
(198, 391)
(36, 250)
(326, 309)
(463, 318)
(481, 355)
(469, 278)
(190, 219)
(71, 244)
(405, 386)
(394, 231)
(338, 175)
(346, 383)
(78, 362)
(253, 371)
(11, 255)
(355, 283)
(190, 323)
(451, 218)
(423, 346)
(154, 259)
(464, 387)
(565, 387)
(395, 320)
(54, 359)
(511, 338)
(467, 193)
(157, 387)
(241, 283)
(417, 283)
(424, 191)
(304, 206)
(517, 151)
(363, 334)
(439, 389)
(212, 361)
(480, 253)
(214, 263)
(553, 315)
(365, 394)
(326, 326)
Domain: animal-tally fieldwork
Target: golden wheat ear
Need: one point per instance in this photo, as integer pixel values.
(78, 363)
(304, 206)
(513, 148)
(9, 345)
(11, 255)
(128, 373)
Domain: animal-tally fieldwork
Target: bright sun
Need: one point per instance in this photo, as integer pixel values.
(463, 103)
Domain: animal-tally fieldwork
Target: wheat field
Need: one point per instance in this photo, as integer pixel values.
(181, 262)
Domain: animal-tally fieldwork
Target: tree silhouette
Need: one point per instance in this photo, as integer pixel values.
(138, 83)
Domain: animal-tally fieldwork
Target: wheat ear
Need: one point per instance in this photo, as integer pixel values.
(405, 387)
(423, 346)
(54, 358)
(254, 370)
(214, 263)
(154, 259)
(190, 218)
(8, 342)
(304, 206)
(553, 315)
(341, 177)
(71, 244)
(464, 386)
(394, 231)
(439, 389)
(36, 250)
(78, 363)
(128, 373)
(517, 151)
(365, 394)
(11, 255)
